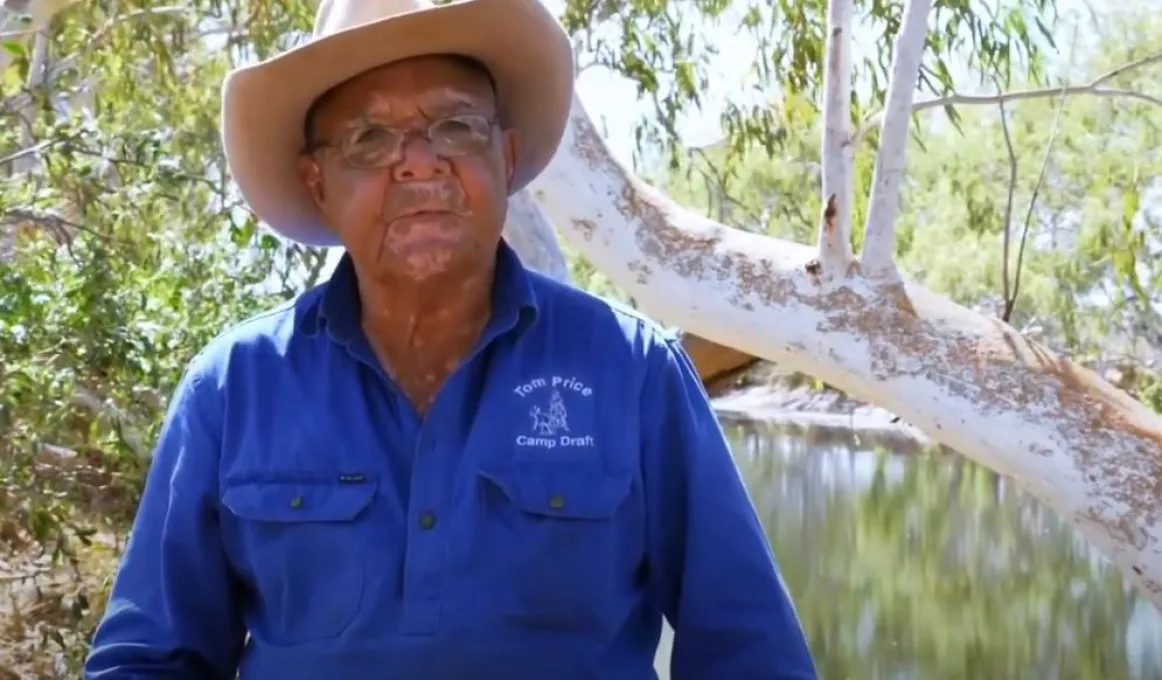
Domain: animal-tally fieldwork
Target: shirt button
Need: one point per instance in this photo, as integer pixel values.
(557, 502)
(427, 520)
(296, 502)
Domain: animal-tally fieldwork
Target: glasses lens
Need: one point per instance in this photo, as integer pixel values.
(460, 135)
(376, 146)
(370, 146)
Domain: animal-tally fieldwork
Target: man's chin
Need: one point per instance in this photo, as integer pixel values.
(420, 265)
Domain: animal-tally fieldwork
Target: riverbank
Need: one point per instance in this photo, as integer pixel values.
(767, 394)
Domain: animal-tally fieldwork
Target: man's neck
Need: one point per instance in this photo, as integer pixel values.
(422, 330)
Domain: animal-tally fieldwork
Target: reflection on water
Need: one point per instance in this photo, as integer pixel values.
(913, 565)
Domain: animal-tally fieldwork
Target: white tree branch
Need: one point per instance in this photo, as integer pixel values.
(877, 259)
(835, 226)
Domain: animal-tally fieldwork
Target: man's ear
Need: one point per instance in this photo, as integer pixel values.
(312, 177)
(509, 143)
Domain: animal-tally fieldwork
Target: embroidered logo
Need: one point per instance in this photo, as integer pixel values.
(554, 420)
(548, 414)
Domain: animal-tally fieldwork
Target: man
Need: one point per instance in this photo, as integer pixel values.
(437, 465)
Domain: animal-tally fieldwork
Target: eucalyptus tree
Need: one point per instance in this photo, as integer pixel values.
(970, 380)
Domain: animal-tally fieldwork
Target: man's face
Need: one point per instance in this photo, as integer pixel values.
(406, 206)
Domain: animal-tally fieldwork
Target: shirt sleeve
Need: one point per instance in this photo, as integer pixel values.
(172, 611)
(710, 564)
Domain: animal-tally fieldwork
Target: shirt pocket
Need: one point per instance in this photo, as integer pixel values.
(305, 544)
(555, 542)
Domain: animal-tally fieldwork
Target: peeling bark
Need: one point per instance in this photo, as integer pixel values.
(531, 235)
(970, 382)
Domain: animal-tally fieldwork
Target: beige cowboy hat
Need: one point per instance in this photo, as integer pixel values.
(264, 105)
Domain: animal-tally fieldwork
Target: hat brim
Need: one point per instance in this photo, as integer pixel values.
(264, 105)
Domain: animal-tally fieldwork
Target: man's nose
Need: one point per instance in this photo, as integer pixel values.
(419, 162)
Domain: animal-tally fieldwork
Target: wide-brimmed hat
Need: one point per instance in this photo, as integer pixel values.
(520, 42)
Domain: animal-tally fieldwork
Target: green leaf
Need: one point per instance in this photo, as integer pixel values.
(15, 48)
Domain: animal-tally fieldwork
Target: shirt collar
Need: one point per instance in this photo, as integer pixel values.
(514, 303)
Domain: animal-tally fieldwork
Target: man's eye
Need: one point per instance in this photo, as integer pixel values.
(453, 126)
(371, 136)
(460, 131)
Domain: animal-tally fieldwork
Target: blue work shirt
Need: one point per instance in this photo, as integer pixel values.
(568, 487)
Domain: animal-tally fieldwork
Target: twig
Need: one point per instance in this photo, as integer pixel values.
(712, 174)
(1011, 303)
(34, 149)
(1008, 209)
(834, 240)
(1010, 296)
(12, 35)
(121, 419)
(1093, 88)
(877, 258)
(25, 576)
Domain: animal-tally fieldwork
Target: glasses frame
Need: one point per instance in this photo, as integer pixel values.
(489, 122)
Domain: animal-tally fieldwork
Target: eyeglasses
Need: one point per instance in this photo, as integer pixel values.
(373, 145)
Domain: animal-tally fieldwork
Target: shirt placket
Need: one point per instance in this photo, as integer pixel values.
(426, 558)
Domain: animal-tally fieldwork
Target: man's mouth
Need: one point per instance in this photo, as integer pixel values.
(423, 212)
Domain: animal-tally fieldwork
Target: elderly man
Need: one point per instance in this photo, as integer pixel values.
(436, 465)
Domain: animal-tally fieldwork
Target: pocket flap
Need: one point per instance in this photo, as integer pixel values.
(299, 501)
(564, 493)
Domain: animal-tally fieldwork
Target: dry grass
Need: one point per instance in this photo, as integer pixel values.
(62, 516)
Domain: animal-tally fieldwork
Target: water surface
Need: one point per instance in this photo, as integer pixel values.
(906, 564)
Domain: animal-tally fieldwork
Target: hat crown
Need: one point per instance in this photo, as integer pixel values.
(334, 16)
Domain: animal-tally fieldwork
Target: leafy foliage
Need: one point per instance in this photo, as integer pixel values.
(660, 45)
(1090, 273)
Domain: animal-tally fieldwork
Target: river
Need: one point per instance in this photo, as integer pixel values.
(912, 564)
